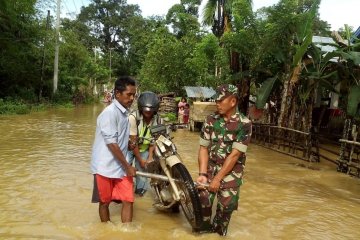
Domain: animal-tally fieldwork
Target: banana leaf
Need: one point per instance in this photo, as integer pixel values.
(306, 33)
(355, 57)
(327, 85)
(353, 101)
(264, 92)
(352, 56)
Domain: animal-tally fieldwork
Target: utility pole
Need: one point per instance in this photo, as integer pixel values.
(95, 92)
(110, 64)
(56, 60)
(43, 58)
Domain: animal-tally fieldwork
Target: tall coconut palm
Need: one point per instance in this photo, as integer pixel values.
(218, 14)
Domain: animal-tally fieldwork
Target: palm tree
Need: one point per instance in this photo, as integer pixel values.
(219, 14)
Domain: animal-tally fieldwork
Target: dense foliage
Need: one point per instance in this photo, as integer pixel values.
(268, 53)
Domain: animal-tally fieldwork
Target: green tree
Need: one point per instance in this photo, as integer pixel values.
(183, 18)
(164, 69)
(110, 22)
(20, 52)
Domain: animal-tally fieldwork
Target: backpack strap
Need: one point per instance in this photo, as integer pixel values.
(136, 115)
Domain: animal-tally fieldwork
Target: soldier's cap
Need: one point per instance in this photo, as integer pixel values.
(224, 91)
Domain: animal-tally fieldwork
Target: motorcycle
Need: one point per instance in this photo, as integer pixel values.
(170, 180)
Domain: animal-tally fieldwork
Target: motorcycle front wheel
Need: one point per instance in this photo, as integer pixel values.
(189, 197)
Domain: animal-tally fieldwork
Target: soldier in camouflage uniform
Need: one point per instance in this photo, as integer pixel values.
(223, 144)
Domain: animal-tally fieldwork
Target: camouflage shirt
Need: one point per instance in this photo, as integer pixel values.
(221, 137)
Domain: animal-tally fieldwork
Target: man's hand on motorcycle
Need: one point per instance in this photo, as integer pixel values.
(130, 171)
(214, 185)
(202, 181)
(143, 163)
(147, 163)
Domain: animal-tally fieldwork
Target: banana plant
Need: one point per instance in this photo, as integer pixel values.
(304, 37)
(264, 92)
(353, 102)
(349, 58)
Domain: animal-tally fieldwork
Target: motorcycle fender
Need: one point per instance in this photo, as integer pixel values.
(172, 160)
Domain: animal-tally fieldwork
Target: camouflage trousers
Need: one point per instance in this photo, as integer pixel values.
(227, 202)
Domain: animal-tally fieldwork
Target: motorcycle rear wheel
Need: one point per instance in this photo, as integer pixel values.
(189, 197)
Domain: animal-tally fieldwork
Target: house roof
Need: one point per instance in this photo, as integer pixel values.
(321, 42)
(199, 92)
(356, 35)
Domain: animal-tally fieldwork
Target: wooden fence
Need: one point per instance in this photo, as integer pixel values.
(308, 147)
(349, 158)
(285, 140)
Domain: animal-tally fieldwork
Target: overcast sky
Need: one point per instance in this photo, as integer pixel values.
(335, 12)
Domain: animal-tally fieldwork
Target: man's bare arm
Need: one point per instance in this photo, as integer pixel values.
(116, 151)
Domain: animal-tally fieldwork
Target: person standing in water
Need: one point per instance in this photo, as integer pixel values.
(140, 123)
(113, 175)
(223, 143)
(181, 108)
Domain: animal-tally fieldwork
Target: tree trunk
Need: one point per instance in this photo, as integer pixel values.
(293, 112)
(308, 125)
(284, 109)
(234, 62)
(343, 166)
(289, 85)
(244, 95)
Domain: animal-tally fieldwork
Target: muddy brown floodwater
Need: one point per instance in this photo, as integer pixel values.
(46, 185)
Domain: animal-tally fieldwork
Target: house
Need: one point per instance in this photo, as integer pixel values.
(199, 93)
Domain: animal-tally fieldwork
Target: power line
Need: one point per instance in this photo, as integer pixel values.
(75, 6)
(66, 7)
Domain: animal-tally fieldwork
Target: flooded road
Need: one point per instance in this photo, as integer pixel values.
(46, 186)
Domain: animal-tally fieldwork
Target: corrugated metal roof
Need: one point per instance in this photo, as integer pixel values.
(199, 92)
(322, 41)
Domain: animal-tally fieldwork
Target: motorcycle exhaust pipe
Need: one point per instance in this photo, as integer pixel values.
(155, 176)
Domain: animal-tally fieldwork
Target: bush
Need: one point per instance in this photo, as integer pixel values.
(13, 107)
(61, 97)
(170, 116)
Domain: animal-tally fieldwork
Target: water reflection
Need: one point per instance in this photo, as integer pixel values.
(46, 185)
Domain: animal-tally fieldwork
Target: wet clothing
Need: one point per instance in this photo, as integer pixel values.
(142, 183)
(112, 189)
(110, 181)
(220, 138)
(112, 127)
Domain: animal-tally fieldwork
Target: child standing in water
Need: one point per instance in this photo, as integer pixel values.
(186, 113)
(181, 115)
(181, 107)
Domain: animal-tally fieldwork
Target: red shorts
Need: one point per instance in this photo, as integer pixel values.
(109, 189)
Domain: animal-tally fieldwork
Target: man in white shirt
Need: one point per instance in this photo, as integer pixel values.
(113, 175)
